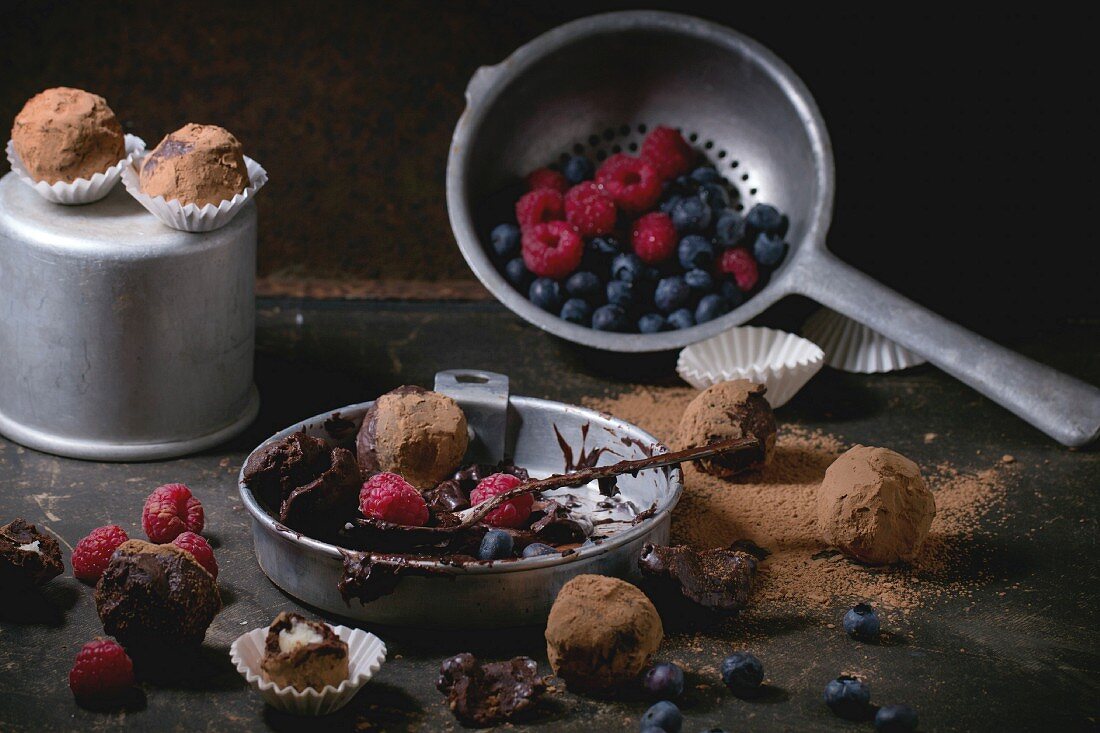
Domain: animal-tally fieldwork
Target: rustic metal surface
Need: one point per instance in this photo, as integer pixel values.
(1021, 652)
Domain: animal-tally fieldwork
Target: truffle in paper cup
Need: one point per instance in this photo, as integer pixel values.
(366, 653)
(781, 361)
(82, 190)
(192, 217)
(853, 347)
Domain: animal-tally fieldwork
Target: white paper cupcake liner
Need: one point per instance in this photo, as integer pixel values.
(852, 347)
(82, 190)
(366, 653)
(192, 217)
(781, 361)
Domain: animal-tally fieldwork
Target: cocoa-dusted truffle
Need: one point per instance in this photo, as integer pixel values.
(300, 653)
(156, 597)
(27, 557)
(724, 411)
(63, 134)
(601, 633)
(315, 487)
(717, 579)
(196, 164)
(417, 434)
(487, 694)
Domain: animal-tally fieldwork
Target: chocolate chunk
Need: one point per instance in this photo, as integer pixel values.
(487, 694)
(558, 525)
(447, 497)
(718, 579)
(27, 557)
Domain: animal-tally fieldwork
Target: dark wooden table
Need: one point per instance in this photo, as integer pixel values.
(1021, 653)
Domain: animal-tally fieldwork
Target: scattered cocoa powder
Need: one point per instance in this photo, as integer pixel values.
(775, 508)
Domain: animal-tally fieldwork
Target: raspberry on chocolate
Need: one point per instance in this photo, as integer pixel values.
(738, 263)
(91, 554)
(538, 206)
(667, 151)
(102, 673)
(546, 178)
(552, 249)
(169, 511)
(633, 184)
(654, 237)
(389, 497)
(591, 211)
(512, 513)
(200, 549)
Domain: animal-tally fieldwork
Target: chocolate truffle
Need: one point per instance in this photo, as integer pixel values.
(300, 653)
(154, 597)
(873, 506)
(601, 633)
(27, 557)
(718, 579)
(417, 434)
(63, 134)
(724, 411)
(487, 694)
(196, 164)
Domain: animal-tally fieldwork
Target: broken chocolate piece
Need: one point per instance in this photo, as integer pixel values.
(447, 497)
(718, 579)
(300, 653)
(487, 694)
(27, 557)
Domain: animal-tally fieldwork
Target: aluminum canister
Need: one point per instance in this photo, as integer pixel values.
(121, 338)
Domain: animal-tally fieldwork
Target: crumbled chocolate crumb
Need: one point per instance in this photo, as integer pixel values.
(487, 694)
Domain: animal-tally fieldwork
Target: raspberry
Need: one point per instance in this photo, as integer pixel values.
(632, 183)
(552, 249)
(739, 263)
(538, 206)
(389, 497)
(512, 513)
(667, 151)
(591, 212)
(197, 545)
(654, 237)
(102, 672)
(91, 554)
(169, 511)
(546, 178)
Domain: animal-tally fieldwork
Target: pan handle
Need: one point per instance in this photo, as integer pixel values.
(1063, 407)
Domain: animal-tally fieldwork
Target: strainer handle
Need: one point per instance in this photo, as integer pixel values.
(1065, 408)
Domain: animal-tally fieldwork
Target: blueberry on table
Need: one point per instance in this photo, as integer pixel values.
(695, 251)
(710, 307)
(700, 281)
(766, 218)
(768, 249)
(862, 622)
(742, 673)
(495, 545)
(622, 293)
(629, 267)
(610, 318)
(663, 681)
(672, 294)
(505, 240)
(517, 273)
(652, 323)
(663, 716)
(731, 293)
(546, 294)
(706, 174)
(690, 214)
(586, 285)
(896, 719)
(538, 549)
(848, 697)
(681, 319)
(577, 311)
(715, 195)
(577, 169)
(730, 228)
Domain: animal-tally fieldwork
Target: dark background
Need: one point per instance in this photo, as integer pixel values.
(965, 143)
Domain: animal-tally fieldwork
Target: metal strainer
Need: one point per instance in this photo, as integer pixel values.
(596, 84)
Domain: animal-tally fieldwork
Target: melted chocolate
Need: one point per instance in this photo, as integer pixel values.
(368, 577)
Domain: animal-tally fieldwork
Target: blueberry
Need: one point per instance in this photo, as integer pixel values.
(682, 318)
(663, 716)
(848, 697)
(672, 293)
(505, 240)
(766, 218)
(695, 251)
(768, 249)
(577, 311)
(699, 280)
(628, 267)
(610, 318)
(495, 545)
(518, 274)
(861, 622)
(732, 293)
(742, 673)
(537, 549)
(546, 294)
(896, 719)
(684, 183)
(652, 323)
(577, 169)
(715, 195)
(664, 681)
(729, 230)
(706, 174)
(691, 215)
(585, 285)
(622, 293)
(670, 203)
(710, 307)
(607, 246)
